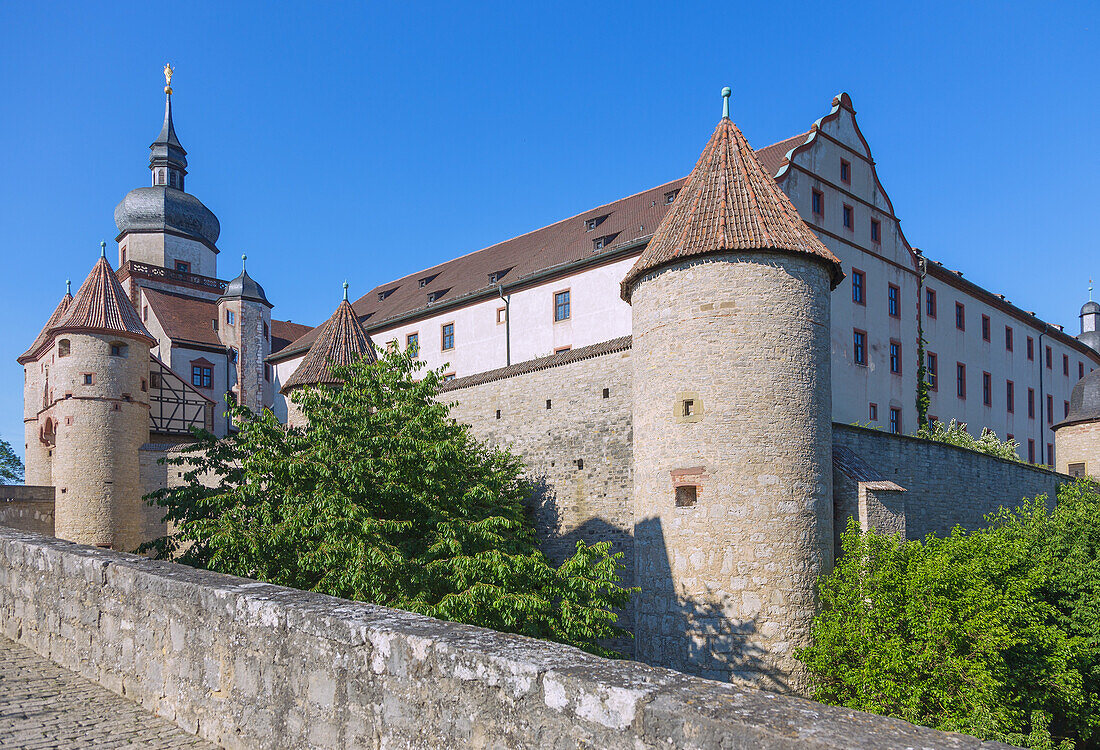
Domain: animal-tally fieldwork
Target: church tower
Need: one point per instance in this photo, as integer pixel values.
(162, 225)
(99, 411)
(341, 341)
(244, 326)
(732, 421)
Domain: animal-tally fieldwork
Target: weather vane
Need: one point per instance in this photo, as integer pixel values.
(167, 78)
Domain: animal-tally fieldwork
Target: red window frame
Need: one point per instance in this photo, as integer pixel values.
(930, 302)
(1010, 396)
(848, 218)
(859, 349)
(960, 381)
(1030, 349)
(987, 329)
(876, 231)
(846, 171)
(1031, 403)
(895, 357)
(987, 389)
(817, 203)
(960, 316)
(859, 286)
(1008, 338)
(932, 371)
(893, 300)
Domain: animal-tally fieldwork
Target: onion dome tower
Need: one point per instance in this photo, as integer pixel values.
(162, 225)
(39, 433)
(732, 420)
(245, 328)
(100, 409)
(341, 341)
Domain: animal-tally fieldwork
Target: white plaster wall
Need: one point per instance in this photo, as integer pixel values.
(158, 249)
(180, 362)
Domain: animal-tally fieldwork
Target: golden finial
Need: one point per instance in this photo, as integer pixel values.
(167, 78)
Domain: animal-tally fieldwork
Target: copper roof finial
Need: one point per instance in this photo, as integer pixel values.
(102, 249)
(345, 291)
(68, 286)
(244, 258)
(726, 102)
(168, 78)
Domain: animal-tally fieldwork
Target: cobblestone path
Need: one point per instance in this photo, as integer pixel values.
(45, 706)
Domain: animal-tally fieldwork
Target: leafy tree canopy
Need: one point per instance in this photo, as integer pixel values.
(994, 632)
(11, 468)
(384, 498)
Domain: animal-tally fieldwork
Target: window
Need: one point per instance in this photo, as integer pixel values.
(122, 255)
(1065, 365)
(412, 344)
(145, 312)
(387, 292)
(201, 376)
(594, 222)
(230, 317)
(89, 378)
(63, 348)
(874, 412)
(930, 302)
(1050, 409)
(893, 301)
(895, 357)
(183, 266)
(448, 377)
(154, 380)
(562, 349)
(266, 335)
(895, 420)
(876, 231)
(448, 341)
(599, 243)
(1010, 396)
(1050, 454)
(987, 389)
(1065, 410)
(1030, 451)
(607, 393)
(848, 220)
(859, 347)
(986, 334)
(1080, 370)
(817, 203)
(160, 176)
(1050, 359)
(118, 350)
(426, 280)
(859, 283)
(1031, 403)
(1008, 338)
(933, 371)
(845, 171)
(686, 495)
(960, 316)
(1030, 349)
(1076, 470)
(960, 380)
(561, 306)
(437, 294)
(502, 315)
(671, 196)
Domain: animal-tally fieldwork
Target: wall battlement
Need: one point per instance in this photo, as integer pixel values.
(248, 664)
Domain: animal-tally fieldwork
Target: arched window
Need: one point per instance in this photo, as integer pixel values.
(63, 347)
(49, 432)
(160, 176)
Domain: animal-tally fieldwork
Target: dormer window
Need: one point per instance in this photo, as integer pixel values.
(386, 293)
(594, 222)
(670, 196)
(602, 242)
(437, 294)
(496, 276)
(427, 280)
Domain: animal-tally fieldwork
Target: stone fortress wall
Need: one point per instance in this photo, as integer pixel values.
(247, 664)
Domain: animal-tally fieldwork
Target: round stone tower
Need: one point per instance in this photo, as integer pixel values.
(732, 423)
(1077, 437)
(340, 341)
(100, 412)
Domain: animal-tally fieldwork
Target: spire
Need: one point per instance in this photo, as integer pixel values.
(101, 306)
(341, 341)
(729, 203)
(168, 160)
(44, 335)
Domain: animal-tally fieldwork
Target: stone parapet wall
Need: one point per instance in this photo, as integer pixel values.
(247, 664)
(945, 485)
(27, 508)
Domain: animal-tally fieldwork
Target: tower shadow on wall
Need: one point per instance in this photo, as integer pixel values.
(689, 635)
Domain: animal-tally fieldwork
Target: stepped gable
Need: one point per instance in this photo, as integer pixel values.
(101, 306)
(44, 335)
(342, 340)
(729, 202)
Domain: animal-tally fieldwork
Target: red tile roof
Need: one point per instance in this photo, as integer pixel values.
(623, 224)
(101, 306)
(729, 202)
(283, 332)
(772, 156)
(44, 335)
(341, 341)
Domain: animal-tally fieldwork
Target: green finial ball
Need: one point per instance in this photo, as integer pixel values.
(345, 290)
(102, 249)
(727, 91)
(726, 101)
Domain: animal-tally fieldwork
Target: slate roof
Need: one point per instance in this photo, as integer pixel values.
(541, 363)
(101, 306)
(729, 203)
(1084, 401)
(44, 335)
(342, 341)
(623, 224)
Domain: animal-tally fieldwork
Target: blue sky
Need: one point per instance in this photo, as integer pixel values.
(367, 141)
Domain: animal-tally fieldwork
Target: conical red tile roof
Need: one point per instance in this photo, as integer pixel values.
(101, 306)
(44, 336)
(342, 340)
(729, 203)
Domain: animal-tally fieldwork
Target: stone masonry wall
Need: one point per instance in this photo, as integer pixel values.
(27, 508)
(945, 485)
(1078, 443)
(250, 665)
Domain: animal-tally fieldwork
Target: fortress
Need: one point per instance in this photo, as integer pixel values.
(680, 369)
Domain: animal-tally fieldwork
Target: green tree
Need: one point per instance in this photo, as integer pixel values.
(384, 498)
(923, 387)
(994, 632)
(11, 468)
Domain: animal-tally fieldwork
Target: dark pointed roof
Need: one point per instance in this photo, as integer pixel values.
(44, 335)
(101, 306)
(341, 341)
(1084, 401)
(729, 203)
(245, 287)
(166, 149)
